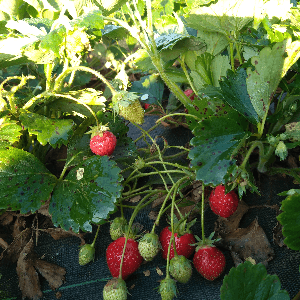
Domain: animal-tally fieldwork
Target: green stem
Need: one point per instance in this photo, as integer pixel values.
(263, 159)
(78, 101)
(93, 244)
(255, 144)
(161, 211)
(177, 114)
(182, 63)
(135, 212)
(202, 212)
(238, 53)
(231, 56)
(65, 73)
(48, 73)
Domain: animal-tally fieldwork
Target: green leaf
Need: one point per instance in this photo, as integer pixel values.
(270, 66)
(25, 183)
(234, 91)
(214, 141)
(90, 20)
(87, 195)
(143, 61)
(53, 131)
(225, 16)
(150, 85)
(293, 131)
(88, 96)
(109, 7)
(114, 32)
(11, 7)
(78, 150)
(290, 220)
(9, 132)
(219, 67)
(251, 282)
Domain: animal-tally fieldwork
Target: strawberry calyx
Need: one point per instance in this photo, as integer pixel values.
(182, 227)
(206, 242)
(98, 130)
(132, 233)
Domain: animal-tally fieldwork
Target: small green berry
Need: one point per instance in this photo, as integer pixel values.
(149, 246)
(115, 289)
(117, 228)
(181, 268)
(86, 254)
(167, 289)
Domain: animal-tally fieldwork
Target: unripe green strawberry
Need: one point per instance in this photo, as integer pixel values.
(133, 112)
(115, 289)
(149, 246)
(86, 254)
(117, 228)
(167, 289)
(181, 268)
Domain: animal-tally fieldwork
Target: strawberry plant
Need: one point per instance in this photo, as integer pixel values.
(232, 71)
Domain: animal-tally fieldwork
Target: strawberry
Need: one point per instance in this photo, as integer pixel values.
(167, 288)
(133, 112)
(223, 205)
(208, 260)
(116, 229)
(190, 93)
(181, 268)
(87, 251)
(149, 246)
(102, 142)
(183, 240)
(132, 257)
(86, 254)
(146, 106)
(115, 289)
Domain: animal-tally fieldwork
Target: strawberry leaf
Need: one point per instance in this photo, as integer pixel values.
(25, 184)
(224, 17)
(9, 132)
(53, 131)
(215, 140)
(88, 96)
(270, 66)
(86, 195)
(248, 281)
(290, 220)
(150, 85)
(234, 91)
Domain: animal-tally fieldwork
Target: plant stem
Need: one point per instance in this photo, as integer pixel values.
(177, 114)
(202, 212)
(93, 244)
(65, 73)
(231, 56)
(78, 101)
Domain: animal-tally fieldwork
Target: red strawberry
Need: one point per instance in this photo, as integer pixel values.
(132, 258)
(102, 142)
(223, 205)
(146, 105)
(183, 240)
(190, 93)
(209, 261)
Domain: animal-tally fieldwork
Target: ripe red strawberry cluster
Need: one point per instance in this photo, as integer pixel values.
(208, 260)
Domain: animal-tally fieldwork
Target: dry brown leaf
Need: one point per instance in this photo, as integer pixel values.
(3, 244)
(28, 277)
(59, 233)
(147, 273)
(153, 215)
(249, 242)
(159, 271)
(19, 226)
(135, 199)
(13, 251)
(54, 274)
(7, 218)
